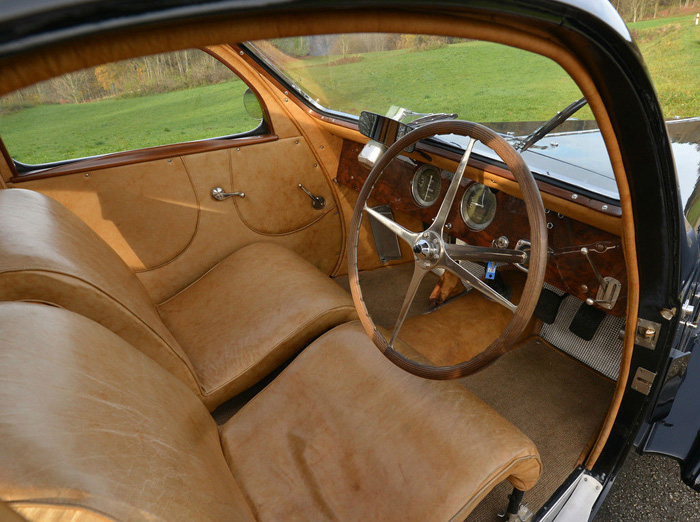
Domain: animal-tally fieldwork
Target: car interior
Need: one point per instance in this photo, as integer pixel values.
(246, 327)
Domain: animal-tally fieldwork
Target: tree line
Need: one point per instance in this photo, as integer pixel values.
(129, 78)
(359, 43)
(635, 10)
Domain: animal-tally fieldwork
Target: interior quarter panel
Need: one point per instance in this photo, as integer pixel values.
(273, 210)
(148, 213)
(324, 143)
(161, 219)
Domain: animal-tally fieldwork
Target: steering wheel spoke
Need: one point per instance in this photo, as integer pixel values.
(406, 235)
(418, 275)
(485, 254)
(461, 272)
(451, 193)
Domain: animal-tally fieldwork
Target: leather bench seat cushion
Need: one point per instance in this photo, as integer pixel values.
(220, 335)
(343, 434)
(250, 313)
(90, 425)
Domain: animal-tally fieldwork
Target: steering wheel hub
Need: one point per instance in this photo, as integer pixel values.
(428, 249)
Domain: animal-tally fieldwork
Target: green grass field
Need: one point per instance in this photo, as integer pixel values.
(56, 132)
(671, 49)
(479, 81)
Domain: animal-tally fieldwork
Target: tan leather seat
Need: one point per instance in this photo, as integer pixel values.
(95, 430)
(221, 335)
(250, 313)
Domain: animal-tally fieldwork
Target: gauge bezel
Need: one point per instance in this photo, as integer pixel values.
(477, 227)
(414, 190)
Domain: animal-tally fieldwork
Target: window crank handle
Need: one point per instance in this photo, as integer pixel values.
(318, 202)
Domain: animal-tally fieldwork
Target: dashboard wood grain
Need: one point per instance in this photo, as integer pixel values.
(567, 269)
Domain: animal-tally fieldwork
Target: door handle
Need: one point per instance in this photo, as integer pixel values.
(218, 194)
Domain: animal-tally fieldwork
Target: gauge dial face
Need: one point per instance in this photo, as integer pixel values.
(478, 206)
(426, 185)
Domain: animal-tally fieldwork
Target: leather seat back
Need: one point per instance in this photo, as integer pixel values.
(50, 255)
(94, 429)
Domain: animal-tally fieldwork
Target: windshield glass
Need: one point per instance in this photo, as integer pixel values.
(510, 90)
(480, 81)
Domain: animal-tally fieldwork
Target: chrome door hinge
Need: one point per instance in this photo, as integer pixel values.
(643, 379)
(687, 315)
(647, 333)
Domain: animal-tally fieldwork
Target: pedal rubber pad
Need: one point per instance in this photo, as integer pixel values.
(548, 306)
(586, 321)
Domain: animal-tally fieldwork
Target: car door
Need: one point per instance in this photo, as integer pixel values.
(673, 427)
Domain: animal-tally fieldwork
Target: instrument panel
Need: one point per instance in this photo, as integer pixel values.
(426, 185)
(580, 254)
(478, 206)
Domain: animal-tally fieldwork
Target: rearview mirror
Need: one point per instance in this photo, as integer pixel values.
(252, 105)
(382, 129)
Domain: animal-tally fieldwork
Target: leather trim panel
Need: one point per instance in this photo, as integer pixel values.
(270, 175)
(147, 213)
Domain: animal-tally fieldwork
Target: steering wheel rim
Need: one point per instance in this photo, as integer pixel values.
(430, 249)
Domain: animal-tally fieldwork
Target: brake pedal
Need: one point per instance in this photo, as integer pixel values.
(586, 321)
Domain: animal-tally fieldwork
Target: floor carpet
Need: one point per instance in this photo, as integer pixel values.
(555, 400)
(384, 290)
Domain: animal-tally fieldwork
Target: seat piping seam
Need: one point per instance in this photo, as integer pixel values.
(118, 302)
(490, 483)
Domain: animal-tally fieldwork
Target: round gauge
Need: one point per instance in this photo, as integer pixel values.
(426, 185)
(478, 206)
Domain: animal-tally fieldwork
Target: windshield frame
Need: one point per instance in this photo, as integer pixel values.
(334, 116)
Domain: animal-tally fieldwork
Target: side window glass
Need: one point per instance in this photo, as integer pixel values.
(133, 104)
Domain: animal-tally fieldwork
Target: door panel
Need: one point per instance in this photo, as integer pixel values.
(147, 212)
(269, 175)
(160, 217)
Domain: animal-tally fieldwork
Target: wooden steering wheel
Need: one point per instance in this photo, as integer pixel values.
(430, 250)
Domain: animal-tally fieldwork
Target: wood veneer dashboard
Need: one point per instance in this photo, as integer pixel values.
(567, 268)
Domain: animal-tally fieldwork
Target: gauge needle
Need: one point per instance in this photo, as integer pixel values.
(479, 204)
